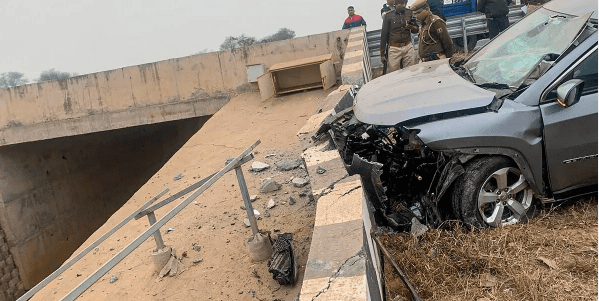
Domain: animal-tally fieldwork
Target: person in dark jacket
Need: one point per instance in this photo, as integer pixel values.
(354, 20)
(434, 41)
(436, 7)
(496, 12)
(397, 26)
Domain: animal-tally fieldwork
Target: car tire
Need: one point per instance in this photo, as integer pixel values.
(492, 192)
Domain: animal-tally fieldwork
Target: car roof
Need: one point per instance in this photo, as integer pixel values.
(574, 8)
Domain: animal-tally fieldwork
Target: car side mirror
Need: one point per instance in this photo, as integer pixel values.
(569, 92)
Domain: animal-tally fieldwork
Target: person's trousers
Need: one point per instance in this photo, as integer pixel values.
(497, 25)
(400, 57)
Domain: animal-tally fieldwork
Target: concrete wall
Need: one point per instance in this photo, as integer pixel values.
(10, 284)
(55, 193)
(343, 263)
(356, 63)
(168, 90)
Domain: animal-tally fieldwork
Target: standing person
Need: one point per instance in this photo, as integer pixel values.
(354, 20)
(496, 12)
(434, 41)
(397, 26)
(436, 7)
(387, 7)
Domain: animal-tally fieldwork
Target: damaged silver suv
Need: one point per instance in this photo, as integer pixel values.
(478, 140)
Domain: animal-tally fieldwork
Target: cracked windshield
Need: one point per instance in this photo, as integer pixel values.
(510, 57)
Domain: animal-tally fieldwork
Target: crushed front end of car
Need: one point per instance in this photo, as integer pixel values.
(401, 176)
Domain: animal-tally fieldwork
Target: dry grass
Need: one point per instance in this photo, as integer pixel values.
(510, 263)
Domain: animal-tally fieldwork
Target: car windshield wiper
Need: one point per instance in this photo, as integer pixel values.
(493, 86)
(468, 73)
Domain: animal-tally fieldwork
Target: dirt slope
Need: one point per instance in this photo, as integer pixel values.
(215, 223)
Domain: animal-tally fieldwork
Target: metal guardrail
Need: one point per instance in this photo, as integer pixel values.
(154, 228)
(473, 23)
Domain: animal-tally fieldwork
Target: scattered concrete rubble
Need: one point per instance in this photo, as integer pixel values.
(300, 182)
(288, 164)
(269, 185)
(258, 166)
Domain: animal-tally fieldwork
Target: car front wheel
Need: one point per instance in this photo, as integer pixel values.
(491, 193)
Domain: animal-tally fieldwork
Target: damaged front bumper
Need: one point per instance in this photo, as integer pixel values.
(401, 176)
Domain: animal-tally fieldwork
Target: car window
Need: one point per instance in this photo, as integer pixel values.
(510, 57)
(586, 71)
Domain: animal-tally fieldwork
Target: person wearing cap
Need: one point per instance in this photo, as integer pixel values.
(434, 41)
(354, 20)
(397, 26)
(387, 8)
(496, 12)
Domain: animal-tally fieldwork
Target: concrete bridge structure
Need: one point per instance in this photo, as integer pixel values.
(73, 151)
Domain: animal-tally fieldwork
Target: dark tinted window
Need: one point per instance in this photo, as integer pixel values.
(586, 71)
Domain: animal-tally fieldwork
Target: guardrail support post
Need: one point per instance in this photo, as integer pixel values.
(246, 200)
(464, 37)
(157, 236)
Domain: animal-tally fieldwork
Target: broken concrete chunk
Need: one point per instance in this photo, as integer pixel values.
(258, 166)
(197, 260)
(271, 204)
(288, 164)
(417, 229)
(300, 182)
(269, 185)
(113, 278)
(178, 177)
(253, 197)
(246, 222)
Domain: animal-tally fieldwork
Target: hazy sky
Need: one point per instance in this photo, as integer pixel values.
(86, 36)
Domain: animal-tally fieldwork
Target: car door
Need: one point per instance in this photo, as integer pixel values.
(570, 134)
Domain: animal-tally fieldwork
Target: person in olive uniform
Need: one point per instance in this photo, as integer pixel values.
(387, 8)
(434, 41)
(397, 26)
(496, 12)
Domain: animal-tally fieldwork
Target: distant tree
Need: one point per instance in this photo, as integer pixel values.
(231, 43)
(282, 34)
(244, 41)
(52, 74)
(11, 79)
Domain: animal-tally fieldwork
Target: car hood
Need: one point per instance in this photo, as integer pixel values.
(429, 89)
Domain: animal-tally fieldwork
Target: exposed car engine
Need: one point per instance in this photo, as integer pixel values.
(401, 175)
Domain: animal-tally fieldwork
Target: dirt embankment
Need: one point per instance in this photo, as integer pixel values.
(215, 223)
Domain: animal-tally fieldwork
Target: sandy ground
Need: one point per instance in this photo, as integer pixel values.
(215, 222)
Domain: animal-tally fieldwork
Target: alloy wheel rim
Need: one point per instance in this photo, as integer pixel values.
(504, 198)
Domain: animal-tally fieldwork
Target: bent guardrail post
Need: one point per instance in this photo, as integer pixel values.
(157, 236)
(91, 279)
(246, 200)
(30, 293)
